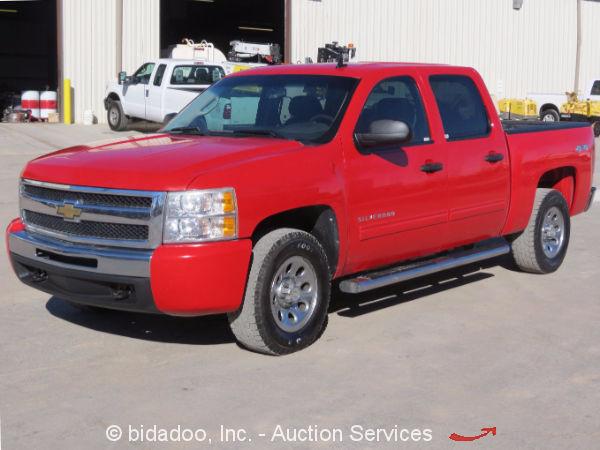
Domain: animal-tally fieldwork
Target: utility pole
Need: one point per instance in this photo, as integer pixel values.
(578, 53)
(119, 33)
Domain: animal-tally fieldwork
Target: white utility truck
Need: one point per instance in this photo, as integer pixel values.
(549, 105)
(158, 90)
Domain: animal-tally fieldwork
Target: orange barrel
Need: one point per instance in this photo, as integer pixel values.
(47, 103)
(31, 100)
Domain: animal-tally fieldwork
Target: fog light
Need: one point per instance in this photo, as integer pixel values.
(39, 276)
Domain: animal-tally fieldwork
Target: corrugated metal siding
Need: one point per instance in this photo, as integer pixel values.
(515, 51)
(90, 35)
(590, 48)
(141, 32)
(89, 42)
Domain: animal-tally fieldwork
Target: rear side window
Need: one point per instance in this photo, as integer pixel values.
(596, 88)
(461, 107)
(196, 74)
(396, 99)
(160, 72)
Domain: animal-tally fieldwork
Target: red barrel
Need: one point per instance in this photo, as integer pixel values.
(47, 103)
(31, 100)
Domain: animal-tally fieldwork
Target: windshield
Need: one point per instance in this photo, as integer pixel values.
(306, 108)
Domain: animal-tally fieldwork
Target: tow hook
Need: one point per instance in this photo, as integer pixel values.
(121, 292)
(39, 276)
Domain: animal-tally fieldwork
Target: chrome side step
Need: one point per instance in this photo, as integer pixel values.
(374, 280)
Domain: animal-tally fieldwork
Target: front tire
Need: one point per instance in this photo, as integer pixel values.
(117, 120)
(287, 294)
(542, 247)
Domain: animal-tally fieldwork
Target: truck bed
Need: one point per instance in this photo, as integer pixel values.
(537, 148)
(522, 126)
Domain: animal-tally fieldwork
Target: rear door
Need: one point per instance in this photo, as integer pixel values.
(397, 209)
(478, 165)
(155, 95)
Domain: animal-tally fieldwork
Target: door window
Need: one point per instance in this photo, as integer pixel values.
(142, 75)
(461, 107)
(596, 88)
(396, 99)
(160, 72)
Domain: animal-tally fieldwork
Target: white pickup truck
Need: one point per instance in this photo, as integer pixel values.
(549, 104)
(158, 90)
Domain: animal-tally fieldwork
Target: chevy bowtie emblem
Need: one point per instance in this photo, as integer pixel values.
(68, 211)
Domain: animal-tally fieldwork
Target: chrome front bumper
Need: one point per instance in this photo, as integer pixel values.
(99, 260)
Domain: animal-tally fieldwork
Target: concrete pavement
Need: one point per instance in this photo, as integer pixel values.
(453, 353)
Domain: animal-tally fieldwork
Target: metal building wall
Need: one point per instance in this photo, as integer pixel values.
(141, 32)
(100, 38)
(590, 45)
(88, 51)
(516, 51)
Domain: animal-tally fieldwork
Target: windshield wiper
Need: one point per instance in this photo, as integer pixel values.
(260, 132)
(188, 130)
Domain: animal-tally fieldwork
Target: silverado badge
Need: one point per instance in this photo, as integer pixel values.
(68, 211)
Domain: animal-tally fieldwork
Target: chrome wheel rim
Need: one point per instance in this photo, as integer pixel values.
(113, 116)
(294, 294)
(548, 118)
(553, 232)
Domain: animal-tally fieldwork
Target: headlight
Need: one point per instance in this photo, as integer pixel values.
(198, 216)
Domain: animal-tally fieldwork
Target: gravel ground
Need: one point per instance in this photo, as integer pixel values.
(456, 352)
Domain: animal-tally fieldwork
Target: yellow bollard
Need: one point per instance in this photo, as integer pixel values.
(67, 117)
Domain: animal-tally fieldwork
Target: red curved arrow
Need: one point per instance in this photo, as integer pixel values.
(486, 431)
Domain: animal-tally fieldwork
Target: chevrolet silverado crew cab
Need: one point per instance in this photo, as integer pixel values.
(277, 182)
(158, 90)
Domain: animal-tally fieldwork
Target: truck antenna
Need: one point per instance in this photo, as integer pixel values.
(341, 60)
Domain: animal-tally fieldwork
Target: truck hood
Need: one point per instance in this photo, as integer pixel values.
(152, 162)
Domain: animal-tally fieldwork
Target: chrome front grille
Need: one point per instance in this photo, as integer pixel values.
(97, 216)
(87, 198)
(87, 228)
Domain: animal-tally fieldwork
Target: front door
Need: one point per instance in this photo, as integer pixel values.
(396, 195)
(478, 164)
(135, 92)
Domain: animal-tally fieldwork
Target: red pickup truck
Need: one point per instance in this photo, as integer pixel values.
(278, 181)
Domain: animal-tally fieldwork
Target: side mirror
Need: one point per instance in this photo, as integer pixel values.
(122, 77)
(384, 133)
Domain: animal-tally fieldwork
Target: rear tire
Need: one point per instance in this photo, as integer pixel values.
(549, 115)
(542, 247)
(596, 127)
(117, 120)
(287, 294)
